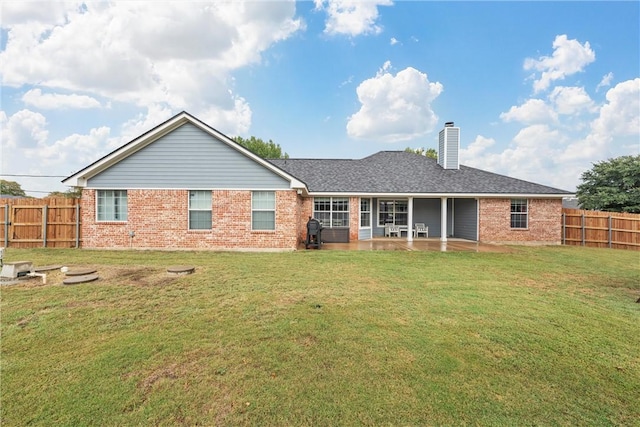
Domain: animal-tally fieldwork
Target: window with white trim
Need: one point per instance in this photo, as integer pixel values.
(112, 205)
(365, 213)
(393, 212)
(519, 213)
(200, 212)
(331, 211)
(263, 210)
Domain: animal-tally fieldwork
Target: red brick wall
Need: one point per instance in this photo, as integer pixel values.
(354, 218)
(160, 220)
(305, 207)
(544, 226)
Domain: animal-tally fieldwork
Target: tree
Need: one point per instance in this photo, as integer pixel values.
(429, 152)
(71, 194)
(11, 188)
(612, 185)
(266, 150)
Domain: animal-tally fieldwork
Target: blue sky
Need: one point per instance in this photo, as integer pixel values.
(540, 90)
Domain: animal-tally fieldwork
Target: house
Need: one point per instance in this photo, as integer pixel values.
(184, 185)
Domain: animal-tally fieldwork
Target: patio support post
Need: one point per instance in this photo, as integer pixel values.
(443, 219)
(410, 221)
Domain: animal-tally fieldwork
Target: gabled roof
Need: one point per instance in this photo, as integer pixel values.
(399, 172)
(79, 179)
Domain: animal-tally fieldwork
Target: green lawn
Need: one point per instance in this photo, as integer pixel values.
(540, 336)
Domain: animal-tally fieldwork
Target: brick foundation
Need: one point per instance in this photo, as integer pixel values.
(160, 220)
(544, 224)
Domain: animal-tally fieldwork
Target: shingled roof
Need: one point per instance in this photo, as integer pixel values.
(399, 172)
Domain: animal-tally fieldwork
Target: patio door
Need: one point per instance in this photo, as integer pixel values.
(365, 229)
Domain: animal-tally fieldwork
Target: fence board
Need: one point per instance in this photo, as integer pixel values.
(601, 229)
(49, 222)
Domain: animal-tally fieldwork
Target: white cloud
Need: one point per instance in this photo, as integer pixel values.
(75, 149)
(23, 129)
(51, 101)
(143, 53)
(351, 17)
(571, 100)
(141, 124)
(557, 155)
(605, 82)
(50, 12)
(617, 123)
(532, 111)
(26, 149)
(393, 41)
(473, 154)
(569, 57)
(395, 108)
(621, 114)
(532, 156)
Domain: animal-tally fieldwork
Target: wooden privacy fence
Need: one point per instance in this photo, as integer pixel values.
(601, 229)
(47, 223)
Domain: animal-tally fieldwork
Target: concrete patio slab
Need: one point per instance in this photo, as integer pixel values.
(391, 244)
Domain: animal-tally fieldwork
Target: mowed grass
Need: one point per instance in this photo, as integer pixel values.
(540, 336)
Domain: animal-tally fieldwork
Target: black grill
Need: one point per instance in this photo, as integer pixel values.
(314, 234)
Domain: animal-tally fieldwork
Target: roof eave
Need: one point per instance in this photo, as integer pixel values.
(439, 195)
(80, 178)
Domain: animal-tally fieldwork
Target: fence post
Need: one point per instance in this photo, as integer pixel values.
(77, 225)
(45, 213)
(6, 225)
(610, 232)
(564, 228)
(583, 231)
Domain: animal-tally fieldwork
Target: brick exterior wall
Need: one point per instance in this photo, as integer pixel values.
(306, 209)
(544, 223)
(160, 220)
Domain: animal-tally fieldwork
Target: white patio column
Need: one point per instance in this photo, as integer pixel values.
(410, 221)
(443, 219)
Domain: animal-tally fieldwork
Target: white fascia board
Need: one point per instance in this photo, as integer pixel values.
(439, 195)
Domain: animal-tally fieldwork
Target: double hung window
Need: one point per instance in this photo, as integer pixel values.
(263, 210)
(365, 212)
(112, 205)
(519, 213)
(200, 210)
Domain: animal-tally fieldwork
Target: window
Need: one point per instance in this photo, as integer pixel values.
(112, 205)
(331, 211)
(263, 210)
(365, 212)
(519, 213)
(393, 212)
(199, 210)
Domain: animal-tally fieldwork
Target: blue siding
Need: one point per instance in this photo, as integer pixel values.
(453, 135)
(466, 219)
(427, 211)
(188, 158)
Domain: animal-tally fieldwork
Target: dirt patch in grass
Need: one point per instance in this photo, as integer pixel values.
(140, 276)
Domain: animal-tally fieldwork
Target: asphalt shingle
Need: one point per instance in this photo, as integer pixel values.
(403, 172)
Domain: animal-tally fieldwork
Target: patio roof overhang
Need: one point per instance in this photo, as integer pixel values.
(440, 195)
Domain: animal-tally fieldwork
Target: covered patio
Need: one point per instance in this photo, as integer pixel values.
(401, 244)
